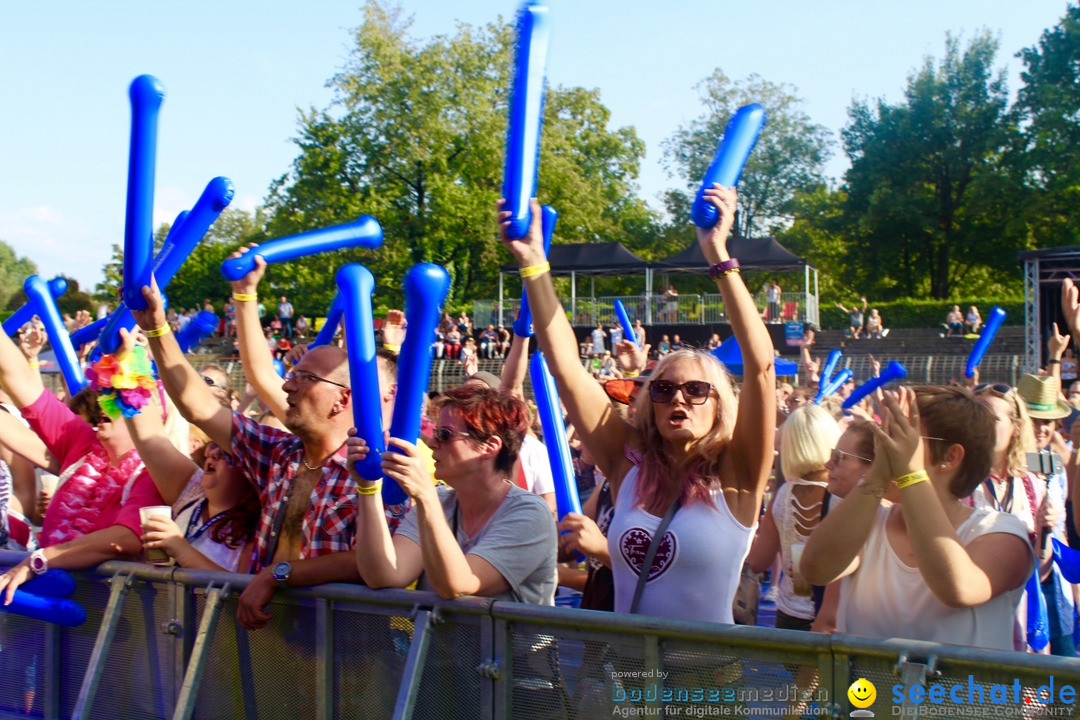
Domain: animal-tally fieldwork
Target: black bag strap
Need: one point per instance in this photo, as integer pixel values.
(650, 554)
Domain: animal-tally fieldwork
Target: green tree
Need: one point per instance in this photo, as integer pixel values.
(1049, 106)
(930, 180)
(415, 138)
(789, 155)
(13, 271)
(200, 278)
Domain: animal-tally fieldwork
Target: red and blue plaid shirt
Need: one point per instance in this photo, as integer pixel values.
(271, 458)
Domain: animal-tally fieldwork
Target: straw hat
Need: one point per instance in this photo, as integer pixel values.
(1043, 398)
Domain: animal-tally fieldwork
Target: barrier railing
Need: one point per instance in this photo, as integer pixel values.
(163, 643)
(684, 309)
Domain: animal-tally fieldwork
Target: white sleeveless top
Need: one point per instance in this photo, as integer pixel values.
(789, 514)
(887, 598)
(696, 569)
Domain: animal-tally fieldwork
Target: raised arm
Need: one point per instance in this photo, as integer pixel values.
(20, 380)
(258, 363)
(515, 368)
(602, 430)
(1055, 348)
(751, 456)
(184, 384)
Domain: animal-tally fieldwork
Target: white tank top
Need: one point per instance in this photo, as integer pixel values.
(696, 569)
(789, 514)
(888, 598)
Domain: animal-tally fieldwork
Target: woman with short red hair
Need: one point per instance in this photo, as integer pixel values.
(481, 535)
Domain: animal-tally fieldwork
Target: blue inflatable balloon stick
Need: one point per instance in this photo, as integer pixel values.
(186, 233)
(188, 230)
(624, 320)
(833, 385)
(740, 136)
(363, 232)
(37, 292)
(51, 583)
(1067, 560)
(526, 116)
(1038, 619)
(58, 611)
(549, 408)
(146, 95)
(25, 313)
(425, 286)
(198, 329)
(279, 367)
(990, 329)
(329, 328)
(355, 283)
(893, 371)
(827, 374)
(523, 322)
(88, 334)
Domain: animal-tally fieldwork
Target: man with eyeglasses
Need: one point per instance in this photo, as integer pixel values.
(309, 501)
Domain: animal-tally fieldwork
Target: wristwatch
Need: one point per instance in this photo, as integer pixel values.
(281, 573)
(38, 563)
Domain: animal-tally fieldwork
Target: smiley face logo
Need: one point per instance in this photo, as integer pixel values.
(862, 693)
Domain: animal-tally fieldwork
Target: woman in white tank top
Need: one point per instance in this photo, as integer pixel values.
(807, 439)
(691, 441)
(929, 567)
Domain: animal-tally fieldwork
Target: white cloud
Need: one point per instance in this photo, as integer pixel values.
(57, 244)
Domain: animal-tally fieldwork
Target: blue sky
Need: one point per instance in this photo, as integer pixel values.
(235, 74)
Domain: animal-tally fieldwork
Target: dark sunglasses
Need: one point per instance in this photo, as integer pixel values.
(696, 392)
(444, 434)
(999, 388)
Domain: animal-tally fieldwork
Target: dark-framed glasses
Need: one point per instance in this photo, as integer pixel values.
(304, 376)
(696, 392)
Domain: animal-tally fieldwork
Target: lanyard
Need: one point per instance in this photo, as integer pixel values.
(193, 536)
(1006, 503)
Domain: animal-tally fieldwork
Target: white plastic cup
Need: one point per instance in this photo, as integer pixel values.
(156, 556)
(49, 483)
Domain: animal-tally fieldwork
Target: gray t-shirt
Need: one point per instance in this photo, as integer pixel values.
(519, 541)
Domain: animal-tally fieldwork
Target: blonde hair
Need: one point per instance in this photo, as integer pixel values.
(661, 473)
(1023, 436)
(807, 438)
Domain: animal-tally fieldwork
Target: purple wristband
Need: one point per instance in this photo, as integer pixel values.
(723, 268)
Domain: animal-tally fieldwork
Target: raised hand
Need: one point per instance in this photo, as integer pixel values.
(249, 284)
(713, 240)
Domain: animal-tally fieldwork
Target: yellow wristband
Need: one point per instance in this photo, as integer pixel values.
(911, 479)
(534, 270)
(630, 373)
(392, 348)
(158, 332)
(34, 364)
(245, 297)
(371, 489)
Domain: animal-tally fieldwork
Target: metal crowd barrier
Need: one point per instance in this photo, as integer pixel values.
(164, 643)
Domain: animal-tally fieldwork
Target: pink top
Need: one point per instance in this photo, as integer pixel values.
(93, 495)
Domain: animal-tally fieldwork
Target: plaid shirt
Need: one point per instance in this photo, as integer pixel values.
(272, 458)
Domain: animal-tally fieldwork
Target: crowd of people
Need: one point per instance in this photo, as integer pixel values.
(917, 513)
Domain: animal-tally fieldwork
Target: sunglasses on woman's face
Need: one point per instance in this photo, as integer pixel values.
(444, 434)
(696, 392)
(838, 456)
(998, 388)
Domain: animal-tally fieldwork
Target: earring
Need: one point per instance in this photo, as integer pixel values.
(942, 466)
